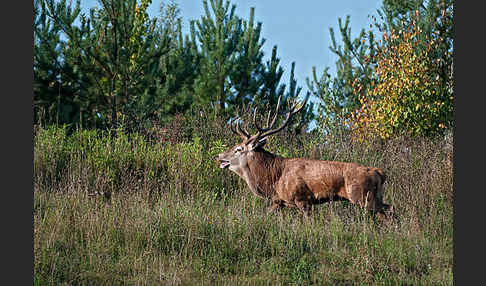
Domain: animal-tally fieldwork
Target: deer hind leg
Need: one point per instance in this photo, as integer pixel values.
(355, 194)
(364, 197)
(365, 191)
(377, 190)
(274, 206)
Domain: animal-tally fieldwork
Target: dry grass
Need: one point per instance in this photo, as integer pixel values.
(171, 216)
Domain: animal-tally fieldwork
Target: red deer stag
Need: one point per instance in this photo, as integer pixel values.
(300, 182)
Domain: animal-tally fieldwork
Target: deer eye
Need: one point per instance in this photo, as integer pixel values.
(238, 149)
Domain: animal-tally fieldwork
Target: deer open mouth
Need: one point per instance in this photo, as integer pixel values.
(224, 164)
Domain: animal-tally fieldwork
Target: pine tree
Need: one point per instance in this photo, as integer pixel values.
(120, 40)
(174, 80)
(233, 77)
(57, 82)
(246, 77)
(272, 74)
(267, 99)
(336, 94)
(218, 34)
(46, 72)
(118, 62)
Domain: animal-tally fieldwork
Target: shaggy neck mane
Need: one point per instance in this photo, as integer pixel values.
(265, 169)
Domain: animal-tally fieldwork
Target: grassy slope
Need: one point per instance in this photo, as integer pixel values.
(174, 218)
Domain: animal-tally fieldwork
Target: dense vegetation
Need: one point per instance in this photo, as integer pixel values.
(395, 84)
(127, 210)
(130, 113)
(117, 64)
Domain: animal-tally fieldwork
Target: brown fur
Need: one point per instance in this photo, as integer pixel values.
(301, 183)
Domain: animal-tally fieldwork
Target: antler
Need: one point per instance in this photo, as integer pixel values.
(239, 130)
(267, 131)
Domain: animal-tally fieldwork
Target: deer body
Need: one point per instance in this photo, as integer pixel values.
(300, 182)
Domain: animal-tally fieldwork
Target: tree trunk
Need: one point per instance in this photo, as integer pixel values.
(222, 96)
(114, 120)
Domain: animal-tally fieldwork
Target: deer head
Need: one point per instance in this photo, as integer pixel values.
(239, 155)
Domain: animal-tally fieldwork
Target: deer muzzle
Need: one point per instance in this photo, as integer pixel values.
(223, 163)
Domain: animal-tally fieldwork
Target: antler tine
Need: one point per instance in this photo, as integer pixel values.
(276, 114)
(302, 106)
(242, 130)
(291, 113)
(238, 130)
(269, 126)
(260, 130)
(231, 126)
(268, 119)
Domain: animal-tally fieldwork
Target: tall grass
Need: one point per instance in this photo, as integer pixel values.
(168, 215)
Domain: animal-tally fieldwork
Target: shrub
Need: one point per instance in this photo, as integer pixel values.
(410, 94)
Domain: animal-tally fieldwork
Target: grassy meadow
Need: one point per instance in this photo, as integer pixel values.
(155, 209)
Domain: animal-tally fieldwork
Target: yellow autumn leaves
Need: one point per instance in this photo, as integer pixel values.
(407, 94)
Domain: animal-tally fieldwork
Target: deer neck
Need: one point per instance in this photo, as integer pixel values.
(261, 172)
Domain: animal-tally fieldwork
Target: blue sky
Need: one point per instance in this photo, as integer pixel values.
(300, 29)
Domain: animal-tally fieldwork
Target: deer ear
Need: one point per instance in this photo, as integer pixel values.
(258, 143)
